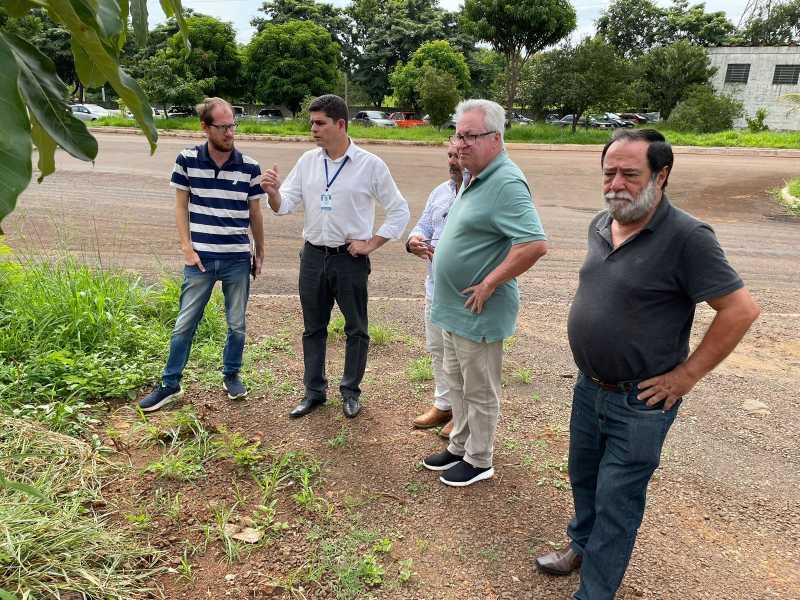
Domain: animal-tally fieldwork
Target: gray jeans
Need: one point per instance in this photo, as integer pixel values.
(435, 345)
(473, 374)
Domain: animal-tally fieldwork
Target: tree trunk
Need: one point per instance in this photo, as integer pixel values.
(512, 80)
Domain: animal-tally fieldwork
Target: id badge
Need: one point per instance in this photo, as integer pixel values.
(325, 201)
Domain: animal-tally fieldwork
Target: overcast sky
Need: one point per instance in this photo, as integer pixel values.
(239, 12)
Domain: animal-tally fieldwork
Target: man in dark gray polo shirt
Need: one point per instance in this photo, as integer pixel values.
(648, 264)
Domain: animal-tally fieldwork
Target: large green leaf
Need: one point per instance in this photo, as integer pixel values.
(106, 62)
(4, 595)
(44, 94)
(139, 18)
(109, 16)
(46, 147)
(15, 142)
(88, 71)
(173, 8)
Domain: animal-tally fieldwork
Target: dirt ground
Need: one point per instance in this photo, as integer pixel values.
(722, 518)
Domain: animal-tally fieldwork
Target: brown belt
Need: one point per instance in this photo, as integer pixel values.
(625, 386)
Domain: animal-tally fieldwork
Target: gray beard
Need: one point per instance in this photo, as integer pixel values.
(624, 209)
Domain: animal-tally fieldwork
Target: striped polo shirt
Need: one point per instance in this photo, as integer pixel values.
(219, 215)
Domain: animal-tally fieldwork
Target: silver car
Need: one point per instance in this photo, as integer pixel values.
(373, 118)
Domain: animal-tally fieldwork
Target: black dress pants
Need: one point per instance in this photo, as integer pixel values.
(328, 275)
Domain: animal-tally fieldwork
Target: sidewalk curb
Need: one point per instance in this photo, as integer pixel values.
(593, 148)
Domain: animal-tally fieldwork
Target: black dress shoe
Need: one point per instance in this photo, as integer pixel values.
(306, 406)
(350, 407)
(559, 563)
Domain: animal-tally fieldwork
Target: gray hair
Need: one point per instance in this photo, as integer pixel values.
(493, 114)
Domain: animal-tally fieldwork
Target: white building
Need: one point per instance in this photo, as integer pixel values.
(758, 77)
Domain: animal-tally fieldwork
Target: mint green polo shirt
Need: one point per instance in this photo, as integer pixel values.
(488, 217)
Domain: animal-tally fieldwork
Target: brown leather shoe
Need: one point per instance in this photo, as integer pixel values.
(560, 563)
(445, 432)
(433, 417)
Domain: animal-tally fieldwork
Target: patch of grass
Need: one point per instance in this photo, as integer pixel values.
(72, 336)
(57, 544)
(524, 375)
(336, 329)
(794, 187)
(415, 488)
(540, 133)
(420, 369)
(380, 335)
(340, 439)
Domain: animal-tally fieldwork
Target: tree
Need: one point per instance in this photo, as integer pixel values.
(632, 26)
(518, 29)
(167, 82)
(34, 97)
(438, 54)
(485, 66)
(214, 55)
(773, 25)
(438, 93)
(287, 62)
(669, 72)
(636, 26)
(387, 32)
(591, 74)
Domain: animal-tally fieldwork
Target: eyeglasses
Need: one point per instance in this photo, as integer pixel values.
(469, 138)
(223, 128)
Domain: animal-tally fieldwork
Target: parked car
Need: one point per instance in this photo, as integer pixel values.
(373, 118)
(271, 115)
(450, 124)
(637, 118)
(407, 119)
(552, 118)
(568, 120)
(602, 122)
(238, 112)
(617, 120)
(177, 112)
(92, 112)
(518, 119)
(653, 117)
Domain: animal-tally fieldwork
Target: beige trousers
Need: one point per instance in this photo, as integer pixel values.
(473, 374)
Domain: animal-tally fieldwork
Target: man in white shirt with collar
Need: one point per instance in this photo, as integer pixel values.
(422, 241)
(337, 185)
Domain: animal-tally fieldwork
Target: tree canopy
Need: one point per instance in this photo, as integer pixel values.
(287, 62)
(440, 55)
(518, 29)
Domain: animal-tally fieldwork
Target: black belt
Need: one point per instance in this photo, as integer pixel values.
(624, 386)
(329, 250)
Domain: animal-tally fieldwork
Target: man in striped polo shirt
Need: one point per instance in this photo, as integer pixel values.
(218, 193)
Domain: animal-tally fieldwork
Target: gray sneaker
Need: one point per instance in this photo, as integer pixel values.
(234, 386)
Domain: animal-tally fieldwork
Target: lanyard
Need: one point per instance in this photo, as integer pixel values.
(328, 184)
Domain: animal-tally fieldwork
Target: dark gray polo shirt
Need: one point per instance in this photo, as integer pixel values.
(633, 311)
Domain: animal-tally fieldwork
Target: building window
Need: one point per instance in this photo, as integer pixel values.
(737, 73)
(786, 74)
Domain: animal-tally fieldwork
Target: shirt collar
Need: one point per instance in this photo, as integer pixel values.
(352, 148)
(234, 159)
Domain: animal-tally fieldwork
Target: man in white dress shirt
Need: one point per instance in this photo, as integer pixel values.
(337, 185)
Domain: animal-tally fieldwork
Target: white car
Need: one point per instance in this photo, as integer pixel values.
(92, 112)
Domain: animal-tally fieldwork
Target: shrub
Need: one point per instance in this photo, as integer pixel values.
(756, 123)
(703, 111)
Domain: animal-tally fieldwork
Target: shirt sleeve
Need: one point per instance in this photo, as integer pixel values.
(424, 227)
(706, 272)
(292, 189)
(515, 216)
(255, 192)
(386, 193)
(180, 178)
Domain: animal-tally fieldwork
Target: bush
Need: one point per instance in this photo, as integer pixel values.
(756, 123)
(439, 95)
(703, 111)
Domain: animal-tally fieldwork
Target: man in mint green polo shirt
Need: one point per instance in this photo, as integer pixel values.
(493, 234)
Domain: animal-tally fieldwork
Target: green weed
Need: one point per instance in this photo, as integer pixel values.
(420, 369)
(340, 439)
(524, 375)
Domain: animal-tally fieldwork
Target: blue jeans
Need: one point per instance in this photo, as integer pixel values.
(615, 446)
(195, 293)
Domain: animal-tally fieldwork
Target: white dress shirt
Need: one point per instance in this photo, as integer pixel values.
(432, 221)
(349, 213)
